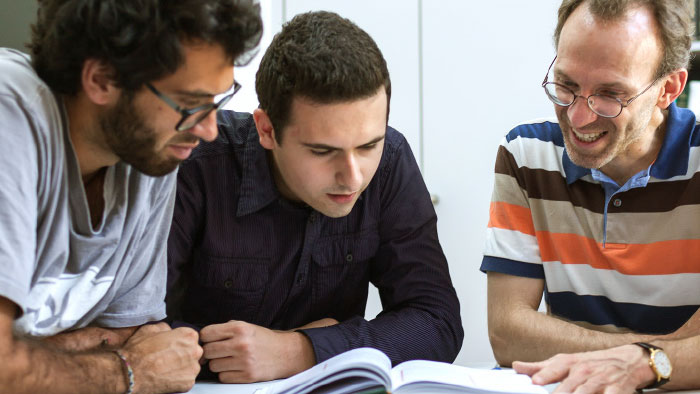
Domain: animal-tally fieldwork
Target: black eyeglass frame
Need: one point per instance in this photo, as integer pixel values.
(623, 104)
(188, 112)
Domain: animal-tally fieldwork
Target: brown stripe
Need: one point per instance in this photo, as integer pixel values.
(551, 185)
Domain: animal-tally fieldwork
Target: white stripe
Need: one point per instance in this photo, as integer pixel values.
(513, 245)
(654, 290)
(534, 153)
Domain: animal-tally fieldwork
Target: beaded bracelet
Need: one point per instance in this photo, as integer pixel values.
(129, 372)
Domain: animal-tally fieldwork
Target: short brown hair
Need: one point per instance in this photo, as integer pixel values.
(322, 57)
(673, 18)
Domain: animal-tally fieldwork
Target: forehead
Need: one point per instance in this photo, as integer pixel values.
(205, 68)
(627, 48)
(343, 125)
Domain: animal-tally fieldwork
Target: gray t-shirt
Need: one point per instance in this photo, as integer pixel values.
(60, 271)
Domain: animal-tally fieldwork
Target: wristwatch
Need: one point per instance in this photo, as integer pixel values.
(659, 363)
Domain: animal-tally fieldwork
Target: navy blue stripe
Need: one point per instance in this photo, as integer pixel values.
(512, 267)
(599, 310)
(545, 131)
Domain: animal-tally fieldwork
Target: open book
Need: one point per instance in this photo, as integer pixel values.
(367, 370)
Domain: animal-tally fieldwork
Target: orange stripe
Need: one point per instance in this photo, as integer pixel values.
(511, 217)
(659, 258)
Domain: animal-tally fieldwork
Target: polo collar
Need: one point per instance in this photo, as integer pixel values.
(673, 156)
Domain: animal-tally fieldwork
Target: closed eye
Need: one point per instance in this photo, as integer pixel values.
(320, 152)
(369, 146)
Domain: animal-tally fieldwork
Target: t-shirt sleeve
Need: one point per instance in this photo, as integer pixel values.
(511, 241)
(19, 182)
(141, 296)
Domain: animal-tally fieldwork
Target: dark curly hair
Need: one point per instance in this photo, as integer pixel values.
(140, 39)
(320, 56)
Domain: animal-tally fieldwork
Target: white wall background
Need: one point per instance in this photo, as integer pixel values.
(463, 74)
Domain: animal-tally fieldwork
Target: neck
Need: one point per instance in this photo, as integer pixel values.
(640, 153)
(86, 136)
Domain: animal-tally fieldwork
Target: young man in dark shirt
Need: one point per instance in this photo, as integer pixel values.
(281, 224)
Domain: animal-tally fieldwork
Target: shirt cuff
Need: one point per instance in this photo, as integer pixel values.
(512, 267)
(326, 341)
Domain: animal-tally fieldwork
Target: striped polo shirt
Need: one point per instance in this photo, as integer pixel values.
(621, 258)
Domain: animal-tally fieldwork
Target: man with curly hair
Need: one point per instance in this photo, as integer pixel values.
(115, 95)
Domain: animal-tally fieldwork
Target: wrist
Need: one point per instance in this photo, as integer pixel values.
(301, 357)
(127, 373)
(642, 370)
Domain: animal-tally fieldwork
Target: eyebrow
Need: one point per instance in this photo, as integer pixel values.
(329, 147)
(618, 85)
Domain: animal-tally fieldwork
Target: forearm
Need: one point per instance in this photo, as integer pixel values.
(90, 338)
(403, 334)
(31, 367)
(524, 334)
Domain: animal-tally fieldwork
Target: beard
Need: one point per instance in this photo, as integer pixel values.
(134, 142)
(619, 140)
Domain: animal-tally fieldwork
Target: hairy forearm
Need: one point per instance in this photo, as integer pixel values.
(32, 367)
(523, 334)
(90, 338)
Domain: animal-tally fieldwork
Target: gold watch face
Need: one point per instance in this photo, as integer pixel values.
(661, 363)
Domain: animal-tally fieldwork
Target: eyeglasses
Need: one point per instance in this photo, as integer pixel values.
(192, 116)
(601, 104)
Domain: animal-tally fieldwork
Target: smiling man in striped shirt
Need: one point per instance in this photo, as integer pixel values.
(599, 210)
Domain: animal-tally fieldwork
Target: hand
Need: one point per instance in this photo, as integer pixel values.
(243, 353)
(621, 369)
(163, 360)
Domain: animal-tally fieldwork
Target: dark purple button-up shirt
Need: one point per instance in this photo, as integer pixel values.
(238, 250)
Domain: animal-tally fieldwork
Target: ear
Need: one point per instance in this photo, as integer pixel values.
(673, 87)
(98, 83)
(265, 130)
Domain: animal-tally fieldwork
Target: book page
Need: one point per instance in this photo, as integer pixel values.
(455, 378)
(366, 364)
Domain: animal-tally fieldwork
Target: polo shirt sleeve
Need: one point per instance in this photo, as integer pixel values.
(421, 315)
(511, 240)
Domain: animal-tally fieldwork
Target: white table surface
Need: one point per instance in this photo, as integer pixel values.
(220, 388)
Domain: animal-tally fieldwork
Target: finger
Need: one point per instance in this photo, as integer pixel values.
(554, 370)
(220, 349)
(217, 332)
(225, 364)
(527, 368)
(574, 381)
(187, 333)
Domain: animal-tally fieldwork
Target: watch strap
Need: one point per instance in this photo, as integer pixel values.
(660, 380)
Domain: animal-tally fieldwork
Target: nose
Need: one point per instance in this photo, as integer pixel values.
(580, 114)
(206, 129)
(349, 175)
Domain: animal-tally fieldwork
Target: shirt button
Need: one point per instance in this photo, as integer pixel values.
(228, 284)
(312, 217)
(300, 279)
(348, 258)
(617, 203)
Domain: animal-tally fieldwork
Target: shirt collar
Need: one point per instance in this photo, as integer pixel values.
(673, 156)
(258, 187)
